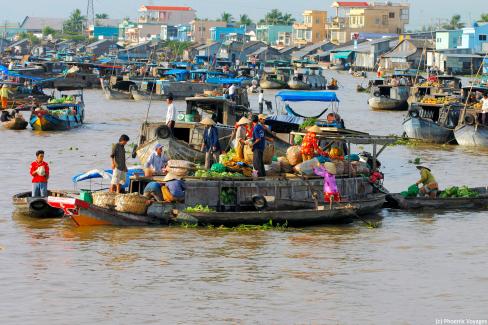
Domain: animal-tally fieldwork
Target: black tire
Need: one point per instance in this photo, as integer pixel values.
(38, 205)
(414, 113)
(259, 202)
(163, 132)
(376, 94)
(134, 152)
(469, 119)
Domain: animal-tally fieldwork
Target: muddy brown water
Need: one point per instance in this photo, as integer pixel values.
(414, 268)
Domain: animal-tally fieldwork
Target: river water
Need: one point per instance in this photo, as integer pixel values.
(413, 269)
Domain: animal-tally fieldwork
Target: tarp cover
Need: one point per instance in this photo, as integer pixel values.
(342, 55)
(312, 96)
(106, 174)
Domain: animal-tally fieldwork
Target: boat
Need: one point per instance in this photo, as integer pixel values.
(271, 81)
(36, 207)
(444, 85)
(17, 123)
(432, 123)
(310, 79)
(396, 201)
(59, 117)
(117, 89)
(386, 97)
(332, 87)
(470, 130)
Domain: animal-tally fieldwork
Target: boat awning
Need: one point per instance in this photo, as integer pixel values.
(311, 96)
(342, 55)
(106, 174)
(175, 71)
(224, 81)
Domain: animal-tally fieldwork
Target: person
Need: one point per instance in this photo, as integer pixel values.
(4, 95)
(310, 143)
(430, 186)
(394, 82)
(119, 166)
(484, 109)
(403, 81)
(7, 115)
(333, 83)
(156, 163)
(174, 188)
(39, 171)
(171, 113)
(232, 92)
(261, 101)
(258, 146)
(267, 129)
(241, 137)
(328, 172)
(210, 145)
(153, 192)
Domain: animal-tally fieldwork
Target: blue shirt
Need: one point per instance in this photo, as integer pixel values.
(156, 162)
(153, 187)
(176, 188)
(258, 133)
(211, 139)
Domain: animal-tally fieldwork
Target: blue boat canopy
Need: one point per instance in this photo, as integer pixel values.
(224, 81)
(311, 96)
(106, 174)
(342, 55)
(175, 71)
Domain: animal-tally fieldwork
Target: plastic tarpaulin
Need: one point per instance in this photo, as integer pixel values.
(312, 96)
(342, 55)
(285, 119)
(223, 81)
(105, 174)
(175, 71)
(4, 70)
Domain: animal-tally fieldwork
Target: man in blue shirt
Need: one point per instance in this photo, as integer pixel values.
(258, 145)
(156, 163)
(210, 145)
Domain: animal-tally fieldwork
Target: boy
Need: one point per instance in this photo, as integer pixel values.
(39, 171)
(119, 166)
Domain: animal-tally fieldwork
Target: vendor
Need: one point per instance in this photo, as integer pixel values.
(241, 137)
(333, 83)
(430, 186)
(153, 192)
(310, 144)
(328, 171)
(174, 189)
(156, 163)
(210, 145)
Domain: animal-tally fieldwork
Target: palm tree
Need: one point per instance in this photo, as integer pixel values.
(273, 17)
(484, 18)
(288, 19)
(227, 17)
(245, 20)
(454, 23)
(101, 16)
(74, 24)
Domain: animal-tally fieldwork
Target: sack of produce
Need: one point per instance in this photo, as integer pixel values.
(218, 168)
(306, 167)
(273, 169)
(248, 155)
(360, 168)
(285, 165)
(133, 203)
(340, 169)
(268, 153)
(294, 155)
(104, 199)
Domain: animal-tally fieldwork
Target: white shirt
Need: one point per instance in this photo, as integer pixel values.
(484, 107)
(261, 98)
(171, 113)
(232, 90)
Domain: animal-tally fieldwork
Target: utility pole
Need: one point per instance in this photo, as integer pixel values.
(90, 14)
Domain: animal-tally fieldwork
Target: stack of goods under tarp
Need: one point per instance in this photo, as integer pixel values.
(345, 166)
(180, 168)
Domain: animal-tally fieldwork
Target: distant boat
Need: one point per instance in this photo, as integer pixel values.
(58, 117)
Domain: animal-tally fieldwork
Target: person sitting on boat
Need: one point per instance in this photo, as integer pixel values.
(119, 167)
(333, 83)
(156, 163)
(8, 115)
(328, 172)
(484, 109)
(211, 144)
(430, 186)
(241, 137)
(39, 171)
(394, 82)
(174, 188)
(153, 192)
(310, 144)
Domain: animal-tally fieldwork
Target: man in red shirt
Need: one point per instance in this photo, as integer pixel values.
(39, 171)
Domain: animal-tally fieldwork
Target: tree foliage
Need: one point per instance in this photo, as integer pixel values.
(484, 18)
(74, 24)
(245, 20)
(46, 31)
(276, 17)
(101, 16)
(227, 17)
(33, 39)
(454, 23)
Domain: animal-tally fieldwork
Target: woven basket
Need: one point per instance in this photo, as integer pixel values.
(104, 199)
(131, 203)
(178, 171)
(180, 164)
(268, 153)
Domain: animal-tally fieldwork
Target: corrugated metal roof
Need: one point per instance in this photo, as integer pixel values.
(165, 8)
(38, 23)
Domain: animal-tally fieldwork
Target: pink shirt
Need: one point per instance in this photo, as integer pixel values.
(330, 184)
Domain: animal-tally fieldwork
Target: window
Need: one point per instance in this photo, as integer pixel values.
(377, 21)
(404, 14)
(317, 21)
(392, 15)
(482, 37)
(384, 20)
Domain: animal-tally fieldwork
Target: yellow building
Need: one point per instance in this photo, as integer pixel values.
(367, 17)
(312, 30)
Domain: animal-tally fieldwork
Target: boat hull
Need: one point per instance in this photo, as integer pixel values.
(267, 84)
(387, 104)
(49, 122)
(140, 96)
(472, 135)
(427, 130)
(399, 202)
(25, 204)
(18, 123)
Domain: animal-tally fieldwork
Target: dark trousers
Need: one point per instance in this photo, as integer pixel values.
(261, 108)
(258, 162)
(171, 125)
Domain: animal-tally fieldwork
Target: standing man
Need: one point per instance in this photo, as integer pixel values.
(119, 167)
(258, 145)
(39, 171)
(484, 109)
(211, 144)
(171, 113)
(232, 92)
(261, 101)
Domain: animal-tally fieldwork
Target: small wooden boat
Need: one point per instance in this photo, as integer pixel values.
(386, 97)
(17, 123)
(332, 87)
(58, 117)
(119, 90)
(397, 201)
(37, 207)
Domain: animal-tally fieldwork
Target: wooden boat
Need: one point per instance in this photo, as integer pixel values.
(433, 123)
(58, 117)
(139, 95)
(332, 87)
(17, 123)
(386, 97)
(273, 81)
(118, 90)
(397, 201)
(470, 130)
(37, 207)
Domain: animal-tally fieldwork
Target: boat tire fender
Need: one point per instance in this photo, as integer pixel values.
(376, 94)
(38, 205)
(134, 152)
(163, 132)
(259, 202)
(469, 119)
(413, 112)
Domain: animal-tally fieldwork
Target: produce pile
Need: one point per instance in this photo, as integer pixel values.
(430, 84)
(477, 106)
(62, 100)
(212, 174)
(199, 208)
(438, 100)
(455, 191)
(412, 191)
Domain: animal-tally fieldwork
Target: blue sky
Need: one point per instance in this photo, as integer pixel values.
(422, 12)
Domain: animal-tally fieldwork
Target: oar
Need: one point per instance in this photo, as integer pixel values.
(369, 224)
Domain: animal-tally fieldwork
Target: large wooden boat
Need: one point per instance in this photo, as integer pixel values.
(17, 123)
(472, 130)
(58, 117)
(120, 89)
(397, 201)
(35, 207)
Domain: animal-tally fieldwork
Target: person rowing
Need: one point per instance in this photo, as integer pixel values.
(429, 184)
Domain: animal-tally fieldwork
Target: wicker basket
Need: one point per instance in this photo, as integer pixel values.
(268, 153)
(104, 199)
(180, 164)
(178, 171)
(131, 203)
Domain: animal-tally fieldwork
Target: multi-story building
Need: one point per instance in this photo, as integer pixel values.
(355, 17)
(200, 29)
(166, 15)
(312, 30)
(270, 34)
(475, 38)
(220, 34)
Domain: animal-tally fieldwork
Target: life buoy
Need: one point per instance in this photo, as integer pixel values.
(469, 119)
(163, 132)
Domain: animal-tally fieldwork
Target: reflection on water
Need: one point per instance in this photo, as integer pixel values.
(415, 267)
